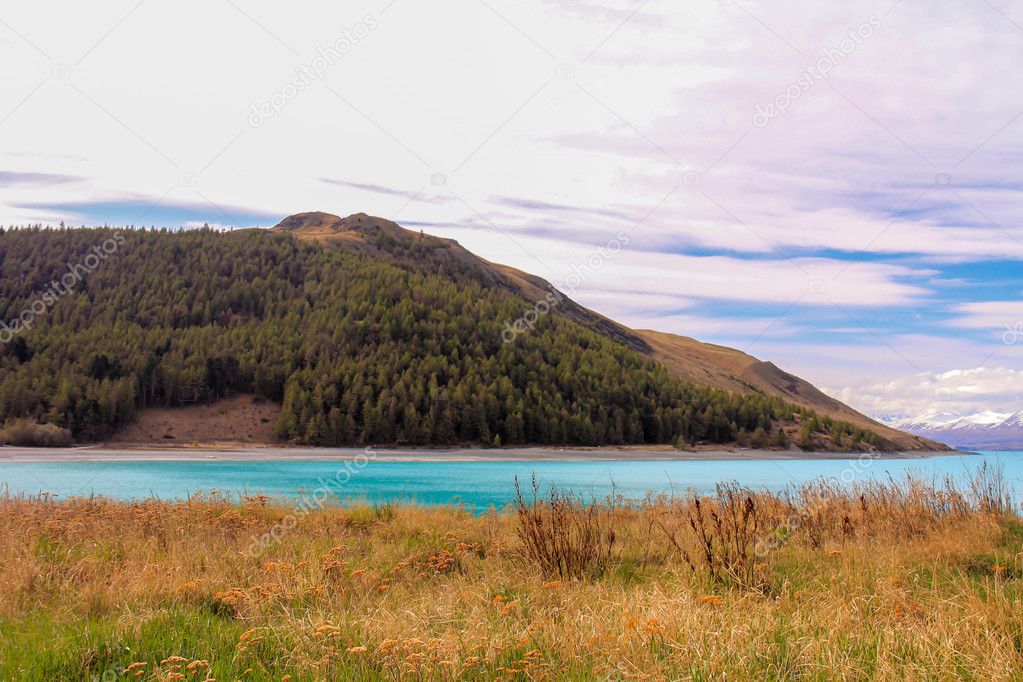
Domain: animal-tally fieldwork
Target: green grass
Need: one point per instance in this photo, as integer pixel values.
(100, 649)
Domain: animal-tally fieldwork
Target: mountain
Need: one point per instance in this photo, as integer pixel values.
(984, 430)
(360, 331)
(700, 363)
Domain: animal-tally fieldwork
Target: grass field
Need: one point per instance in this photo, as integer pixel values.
(896, 580)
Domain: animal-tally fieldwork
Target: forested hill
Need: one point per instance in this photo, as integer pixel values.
(365, 335)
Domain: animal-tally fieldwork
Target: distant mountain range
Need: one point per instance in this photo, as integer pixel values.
(986, 430)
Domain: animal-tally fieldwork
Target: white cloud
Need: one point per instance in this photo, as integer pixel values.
(454, 117)
(465, 92)
(1006, 317)
(793, 281)
(963, 391)
(739, 330)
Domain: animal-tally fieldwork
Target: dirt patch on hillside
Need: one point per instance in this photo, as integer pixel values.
(241, 419)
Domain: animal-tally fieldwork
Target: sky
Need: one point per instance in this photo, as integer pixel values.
(833, 186)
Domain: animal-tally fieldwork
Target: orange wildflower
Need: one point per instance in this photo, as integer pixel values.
(173, 659)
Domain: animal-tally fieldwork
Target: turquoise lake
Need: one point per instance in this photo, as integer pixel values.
(479, 484)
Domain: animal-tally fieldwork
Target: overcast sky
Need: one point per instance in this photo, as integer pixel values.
(832, 186)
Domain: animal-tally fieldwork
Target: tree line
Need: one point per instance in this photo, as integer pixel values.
(358, 349)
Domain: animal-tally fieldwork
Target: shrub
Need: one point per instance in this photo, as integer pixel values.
(564, 536)
(26, 432)
(720, 534)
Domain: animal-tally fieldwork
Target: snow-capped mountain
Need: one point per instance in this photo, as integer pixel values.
(985, 430)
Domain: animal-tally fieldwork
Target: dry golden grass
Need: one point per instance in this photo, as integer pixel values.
(894, 581)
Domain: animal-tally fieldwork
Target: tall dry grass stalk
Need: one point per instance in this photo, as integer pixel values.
(723, 533)
(563, 536)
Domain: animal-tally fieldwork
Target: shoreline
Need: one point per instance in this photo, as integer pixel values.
(236, 452)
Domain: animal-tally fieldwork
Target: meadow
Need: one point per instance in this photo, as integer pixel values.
(894, 579)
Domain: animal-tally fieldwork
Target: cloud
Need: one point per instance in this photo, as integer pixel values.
(797, 281)
(380, 189)
(741, 330)
(22, 179)
(618, 303)
(884, 193)
(843, 365)
(546, 208)
(963, 391)
(1003, 316)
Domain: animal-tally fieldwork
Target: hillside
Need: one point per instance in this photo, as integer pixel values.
(363, 332)
(701, 364)
(706, 364)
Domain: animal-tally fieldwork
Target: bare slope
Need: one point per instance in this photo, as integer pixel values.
(239, 419)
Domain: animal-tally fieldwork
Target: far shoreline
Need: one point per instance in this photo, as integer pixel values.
(248, 452)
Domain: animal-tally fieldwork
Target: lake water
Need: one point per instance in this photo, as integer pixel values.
(479, 484)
